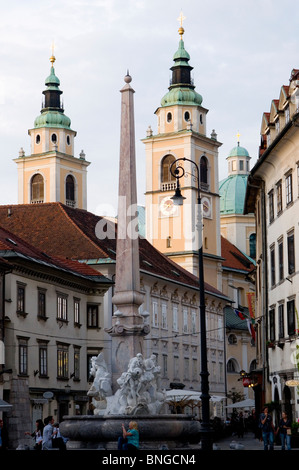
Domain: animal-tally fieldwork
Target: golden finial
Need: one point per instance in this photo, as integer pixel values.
(238, 137)
(52, 58)
(181, 30)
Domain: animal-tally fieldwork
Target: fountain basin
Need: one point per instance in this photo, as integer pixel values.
(155, 431)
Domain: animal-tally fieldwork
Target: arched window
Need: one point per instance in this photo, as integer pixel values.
(37, 189)
(166, 176)
(252, 245)
(203, 168)
(232, 366)
(70, 190)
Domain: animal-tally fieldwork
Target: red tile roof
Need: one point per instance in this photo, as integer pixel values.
(62, 231)
(11, 244)
(234, 258)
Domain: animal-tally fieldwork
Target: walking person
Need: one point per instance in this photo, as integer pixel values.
(267, 428)
(48, 433)
(285, 431)
(130, 438)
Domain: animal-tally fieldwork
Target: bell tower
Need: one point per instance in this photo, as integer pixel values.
(51, 173)
(182, 133)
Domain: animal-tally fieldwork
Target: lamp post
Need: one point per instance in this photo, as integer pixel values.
(206, 433)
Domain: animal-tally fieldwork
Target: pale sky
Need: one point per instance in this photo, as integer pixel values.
(242, 53)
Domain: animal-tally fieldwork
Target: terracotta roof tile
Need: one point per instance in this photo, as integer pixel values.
(233, 257)
(62, 231)
(13, 244)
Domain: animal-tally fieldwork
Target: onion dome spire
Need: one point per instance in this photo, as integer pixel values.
(181, 89)
(52, 113)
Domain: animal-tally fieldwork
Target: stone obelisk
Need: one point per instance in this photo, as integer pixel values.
(128, 327)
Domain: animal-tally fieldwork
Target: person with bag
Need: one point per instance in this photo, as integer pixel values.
(285, 431)
(37, 434)
(267, 428)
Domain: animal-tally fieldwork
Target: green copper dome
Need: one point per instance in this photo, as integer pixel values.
(52, 119)
(184, 96)
(181, 54)
(238, 152)
(52, 80)
(232, 194)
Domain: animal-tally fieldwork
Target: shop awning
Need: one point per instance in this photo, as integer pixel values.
(4, 406)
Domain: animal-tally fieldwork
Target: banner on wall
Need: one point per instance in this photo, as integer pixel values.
(251, 307)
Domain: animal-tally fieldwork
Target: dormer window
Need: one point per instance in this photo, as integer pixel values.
(277, 126)
(287, 114)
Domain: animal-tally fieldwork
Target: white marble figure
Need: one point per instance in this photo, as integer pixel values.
(139, 391)
(101, 386)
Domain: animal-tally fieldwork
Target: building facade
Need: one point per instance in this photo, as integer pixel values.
(51, 326)
(273, 195)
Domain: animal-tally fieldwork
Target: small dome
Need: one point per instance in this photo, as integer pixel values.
(238, 152)
(52, 119)
(181, 53)
(52, 80)
(232, 194)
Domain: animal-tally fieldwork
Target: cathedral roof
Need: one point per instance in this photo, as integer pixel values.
(232, 189)
(232, 192)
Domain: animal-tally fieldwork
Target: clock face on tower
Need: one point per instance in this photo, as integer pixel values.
(206, 207)
(167, 207)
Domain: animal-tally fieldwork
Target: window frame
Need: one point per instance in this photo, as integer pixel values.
(291, 317)
(291, 252)
(62, 306)
(21, 299)
(92, 320)
(23, 356)
(281, 320)
(62, 361)
(272, 329)
(289, 188)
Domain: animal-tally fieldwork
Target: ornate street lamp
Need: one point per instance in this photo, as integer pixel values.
(206, 432)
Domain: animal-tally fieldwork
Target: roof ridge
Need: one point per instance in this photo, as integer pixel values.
(62, 207)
